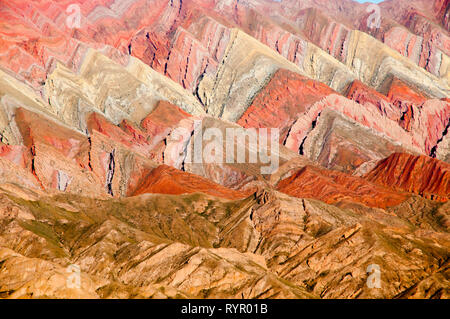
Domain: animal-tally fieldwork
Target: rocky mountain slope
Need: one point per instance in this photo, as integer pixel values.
(105, 104)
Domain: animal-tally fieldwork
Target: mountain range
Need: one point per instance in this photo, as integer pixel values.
(104, 104)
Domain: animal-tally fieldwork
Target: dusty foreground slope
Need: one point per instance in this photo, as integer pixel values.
(268, 245)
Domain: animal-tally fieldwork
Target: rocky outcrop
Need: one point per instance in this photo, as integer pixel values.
(420, 175)
(425, 126)
(167, 180)
(278, 104)
(224, 149)
(336, 142)
(368, 116)
(230, 92)
(332, 187)
(269, 245)
(233, 156)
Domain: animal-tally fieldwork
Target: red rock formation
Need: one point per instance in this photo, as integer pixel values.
(267, 245)
(405, 98)
(17, 154)
(362, 94)
(163, 117)
(333, 187)
(168, 180)
(135, 142)
(133, 130)
(328, 34)
(159, 124)
(416, 127)
(367, 115)
(108, 161)
(400, 91)
(60, 157)
(36, 128)
(422, 175)
(286, 96)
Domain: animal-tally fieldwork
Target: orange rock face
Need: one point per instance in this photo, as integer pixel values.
(420, 175)
(167, 180)
(333, 187)
(364, 94)
(286, 96)
(164, 116)
(133, 141)
(140, 97)
(38, 129)
(399, 91)
(17, 154)
(159, 124)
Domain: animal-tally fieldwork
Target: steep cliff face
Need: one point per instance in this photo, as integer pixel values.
(339, 143)
(224, 148)
(167, 180)
(186, 39)
(421, 175)
(268, 245)
(277, 105)
(332, 187)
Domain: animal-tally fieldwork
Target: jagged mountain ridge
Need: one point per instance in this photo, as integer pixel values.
(90, 120)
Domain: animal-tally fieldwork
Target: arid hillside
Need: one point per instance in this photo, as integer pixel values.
(224, 149)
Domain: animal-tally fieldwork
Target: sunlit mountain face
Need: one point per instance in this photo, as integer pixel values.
(224, 149)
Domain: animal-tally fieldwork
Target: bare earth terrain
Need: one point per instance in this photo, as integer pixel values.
(104, 104)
